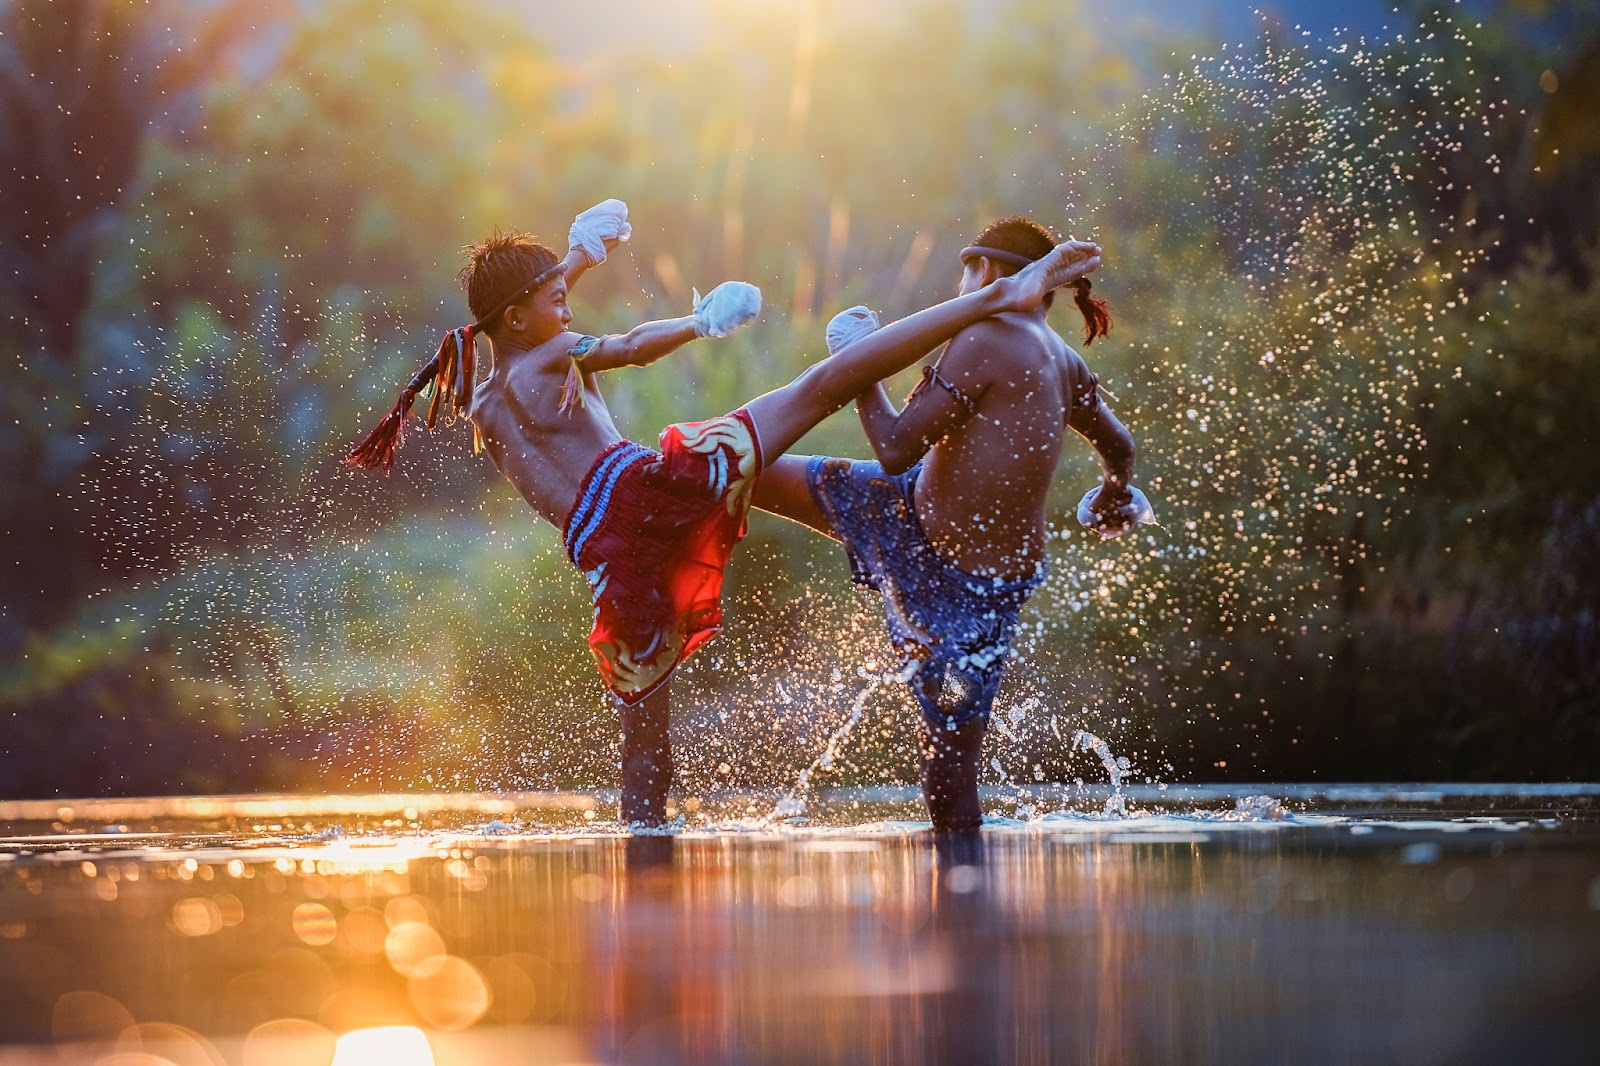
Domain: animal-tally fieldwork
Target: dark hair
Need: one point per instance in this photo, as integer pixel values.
(1025, 237)
(1019, 236)
(497, 267)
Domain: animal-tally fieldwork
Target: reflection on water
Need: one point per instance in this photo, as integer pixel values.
(1406, 925)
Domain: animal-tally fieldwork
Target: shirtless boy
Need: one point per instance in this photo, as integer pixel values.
(949, 522)
(652, 530)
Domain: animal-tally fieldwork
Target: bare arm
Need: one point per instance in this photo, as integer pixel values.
(640, 346)
(577, 263)
(932, 411)
(1114, 445)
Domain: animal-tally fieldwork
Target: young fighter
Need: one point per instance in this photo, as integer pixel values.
(651, 530)
(949, 523)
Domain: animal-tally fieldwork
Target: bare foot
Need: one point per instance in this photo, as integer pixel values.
(1066, 263)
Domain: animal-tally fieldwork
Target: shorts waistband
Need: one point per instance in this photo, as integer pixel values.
(595, 494)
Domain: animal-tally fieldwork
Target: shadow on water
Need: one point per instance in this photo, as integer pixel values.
(1311, 924)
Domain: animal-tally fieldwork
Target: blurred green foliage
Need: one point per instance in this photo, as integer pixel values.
(1355, 287)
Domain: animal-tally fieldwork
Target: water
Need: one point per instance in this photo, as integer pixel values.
(1372, 923)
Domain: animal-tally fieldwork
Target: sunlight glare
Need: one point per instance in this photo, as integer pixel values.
(389, 1045)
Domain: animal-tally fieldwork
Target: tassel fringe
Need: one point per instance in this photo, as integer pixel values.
(376, 450)
(572, 389)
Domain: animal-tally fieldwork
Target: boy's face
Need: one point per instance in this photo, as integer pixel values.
(544, 314)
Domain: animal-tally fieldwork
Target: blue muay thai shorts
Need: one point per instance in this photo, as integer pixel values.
(951, 629)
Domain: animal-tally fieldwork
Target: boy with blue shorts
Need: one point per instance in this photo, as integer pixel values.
(949, 522)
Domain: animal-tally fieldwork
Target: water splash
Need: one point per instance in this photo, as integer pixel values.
(793, 803)
(1117, 766)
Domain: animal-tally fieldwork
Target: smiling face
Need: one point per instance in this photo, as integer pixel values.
(541, 315)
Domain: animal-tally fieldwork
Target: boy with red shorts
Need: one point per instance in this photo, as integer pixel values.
(650, 529)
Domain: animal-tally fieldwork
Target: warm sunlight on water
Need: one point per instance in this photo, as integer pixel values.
(1282, 923)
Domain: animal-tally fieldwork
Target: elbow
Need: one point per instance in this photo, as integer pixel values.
(894, 465)
(896, 458)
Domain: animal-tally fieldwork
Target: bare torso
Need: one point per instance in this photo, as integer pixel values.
(981, 493)
(544, 452)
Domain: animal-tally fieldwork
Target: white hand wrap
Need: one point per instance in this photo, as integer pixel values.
(849, 326)
(725, 308)
(1133, 512)
(605, 221)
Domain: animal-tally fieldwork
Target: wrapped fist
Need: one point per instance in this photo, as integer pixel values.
(605, 221)
(1118, 520)
(849, 326)
(725, 308)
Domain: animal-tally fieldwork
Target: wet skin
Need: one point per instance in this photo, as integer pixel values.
(986, 474)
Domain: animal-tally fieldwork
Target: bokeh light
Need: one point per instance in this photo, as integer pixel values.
(315, 924)
(448, 992)
(392, 1045)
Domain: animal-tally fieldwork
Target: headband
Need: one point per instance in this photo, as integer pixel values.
(1013, 258)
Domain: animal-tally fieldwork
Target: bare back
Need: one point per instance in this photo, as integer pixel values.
(544, 452)
(981, 494)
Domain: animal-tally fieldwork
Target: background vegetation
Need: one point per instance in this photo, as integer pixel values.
(1357, 304)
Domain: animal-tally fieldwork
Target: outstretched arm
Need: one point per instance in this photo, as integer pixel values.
(726, 308)
(640, 346)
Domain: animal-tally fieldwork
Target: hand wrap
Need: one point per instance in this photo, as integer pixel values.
(1132, 513)
(849, 326)
(725, 308)
(605, 221)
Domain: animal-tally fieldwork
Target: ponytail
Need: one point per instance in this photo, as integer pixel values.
(1096, 316)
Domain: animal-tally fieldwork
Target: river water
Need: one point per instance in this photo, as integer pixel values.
(1269, 924)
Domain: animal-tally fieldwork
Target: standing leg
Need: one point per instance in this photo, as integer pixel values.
(951, 762)
(785, 415)
(646, 758)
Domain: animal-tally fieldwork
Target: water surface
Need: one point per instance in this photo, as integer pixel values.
(1371, 923)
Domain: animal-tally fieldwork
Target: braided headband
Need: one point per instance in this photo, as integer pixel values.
(453, 366)
(1096, 317)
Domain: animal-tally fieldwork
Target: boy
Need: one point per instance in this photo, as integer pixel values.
(949, 523)
(651, 531)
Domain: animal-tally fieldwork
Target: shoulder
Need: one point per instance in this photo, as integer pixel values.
(1080, 383)
(1002, 342)
(1075, 364)
(551, 354)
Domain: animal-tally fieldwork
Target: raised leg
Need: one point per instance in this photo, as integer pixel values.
(782, 490)
(646, 758)
(952, 760)
(785, 415)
